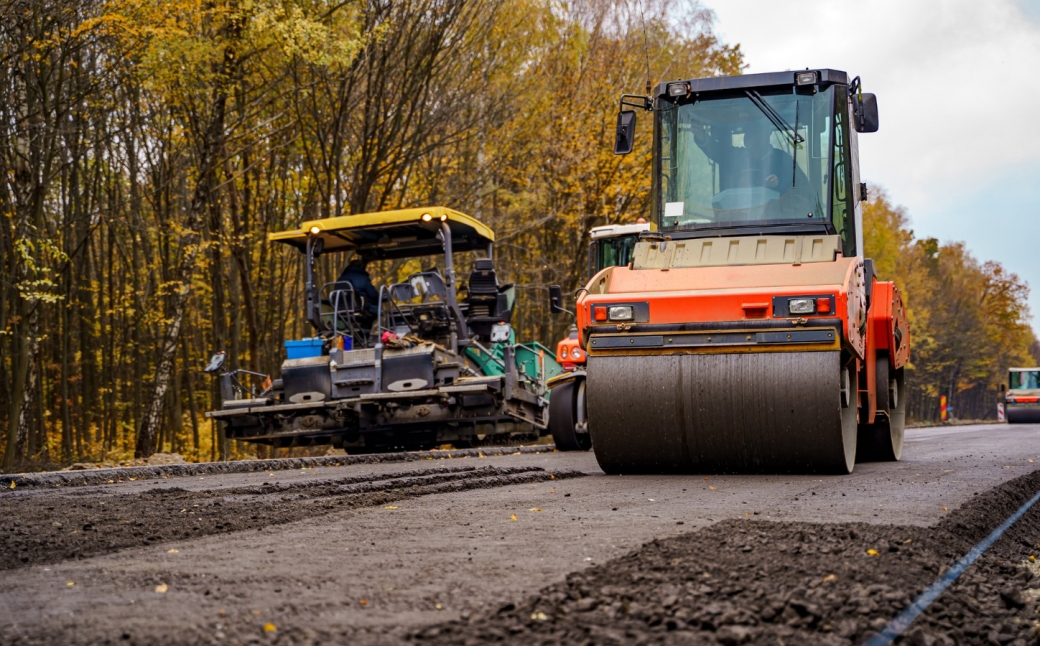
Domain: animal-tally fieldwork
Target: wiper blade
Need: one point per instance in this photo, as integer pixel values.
(774, 117)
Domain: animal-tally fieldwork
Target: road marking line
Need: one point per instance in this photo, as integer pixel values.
(903, 620)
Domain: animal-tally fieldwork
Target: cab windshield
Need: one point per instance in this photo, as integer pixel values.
(613, 252)
(1025, 379)
(753, 158)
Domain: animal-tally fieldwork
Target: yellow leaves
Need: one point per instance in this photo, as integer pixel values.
(908, 541)
(173, 551)
(391, 507)
(12, 485)
(830, 577)
(270, 628)
(944, 508)
(1032, 557)
(713, 488)
(69, 584)
(539, 616)
(363, 602)
(513, 518)
(438, 606)
(316, 39)
(872, 552)
(256, 613)
(535, 509)
(161, 588)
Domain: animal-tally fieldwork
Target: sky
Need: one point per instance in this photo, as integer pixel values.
(958, 88)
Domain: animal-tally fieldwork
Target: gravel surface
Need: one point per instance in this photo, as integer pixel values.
(182, 469)
(393, 552)
(796, 583)
(82, 525)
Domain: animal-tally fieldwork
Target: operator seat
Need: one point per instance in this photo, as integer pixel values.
(488, 302)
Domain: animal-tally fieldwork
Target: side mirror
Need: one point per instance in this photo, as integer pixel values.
(555, 299)
(865, 112)
(216, 362)
(317, 247)
(625, 136)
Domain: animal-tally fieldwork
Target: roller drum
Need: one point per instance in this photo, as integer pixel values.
(1013, 414)
(777, 412)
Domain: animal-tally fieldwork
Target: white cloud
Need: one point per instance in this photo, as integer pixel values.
(959, 143)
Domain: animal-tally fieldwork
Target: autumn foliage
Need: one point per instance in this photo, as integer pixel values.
(969, 320)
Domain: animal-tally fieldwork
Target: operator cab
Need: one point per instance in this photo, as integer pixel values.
(758, 154)
(613, 245)
(426, 304)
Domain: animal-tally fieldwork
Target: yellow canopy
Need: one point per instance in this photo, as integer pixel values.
(392, 234)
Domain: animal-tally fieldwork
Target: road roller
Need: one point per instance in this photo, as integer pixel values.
(749, 334)
(422, 360)
(609, 245)
(1022, 399)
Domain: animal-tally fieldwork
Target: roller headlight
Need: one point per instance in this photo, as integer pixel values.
(576, 353)
(620, 313)
(801, 306)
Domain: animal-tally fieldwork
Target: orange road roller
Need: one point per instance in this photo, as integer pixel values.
(748, 334)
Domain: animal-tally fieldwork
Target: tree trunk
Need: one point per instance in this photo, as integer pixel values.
(149, 428)
(192, 407)
(211, 144)
(25, 412)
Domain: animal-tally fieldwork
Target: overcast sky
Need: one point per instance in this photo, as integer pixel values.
(958, 87)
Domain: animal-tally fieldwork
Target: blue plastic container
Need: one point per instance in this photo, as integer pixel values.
(303, 348)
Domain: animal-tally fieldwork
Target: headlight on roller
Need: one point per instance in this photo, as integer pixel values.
(576, 353)
(620, 313)
(801, 306)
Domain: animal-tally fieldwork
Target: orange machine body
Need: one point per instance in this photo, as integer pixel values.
(743, 308)
(569, 353)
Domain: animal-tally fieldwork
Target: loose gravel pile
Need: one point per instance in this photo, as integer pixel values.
(745, 581)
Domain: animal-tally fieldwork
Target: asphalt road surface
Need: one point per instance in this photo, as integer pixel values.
(450, 549)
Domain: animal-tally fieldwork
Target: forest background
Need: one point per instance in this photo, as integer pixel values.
(148, 147)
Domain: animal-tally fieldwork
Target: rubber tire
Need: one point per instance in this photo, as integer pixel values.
(563, 417)
(882, 441)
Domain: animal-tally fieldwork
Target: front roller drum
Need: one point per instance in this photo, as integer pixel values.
(1021, 414)
(770, 412)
